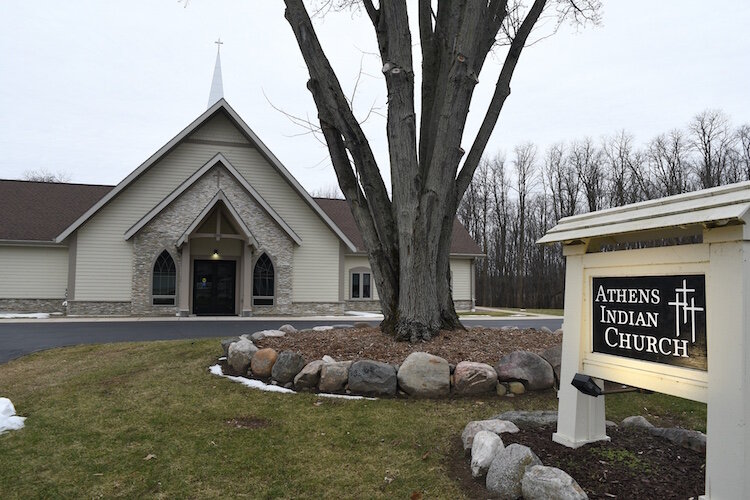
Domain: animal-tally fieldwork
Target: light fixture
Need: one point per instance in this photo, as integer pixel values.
(586, 385)
(216, 253)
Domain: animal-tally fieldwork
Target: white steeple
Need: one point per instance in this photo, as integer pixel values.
(217, 87)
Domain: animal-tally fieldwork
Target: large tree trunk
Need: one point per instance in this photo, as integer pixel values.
(408, 238)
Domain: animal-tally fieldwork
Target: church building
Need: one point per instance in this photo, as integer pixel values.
(210, 224)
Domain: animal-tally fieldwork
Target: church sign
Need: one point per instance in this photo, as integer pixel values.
(651, 318)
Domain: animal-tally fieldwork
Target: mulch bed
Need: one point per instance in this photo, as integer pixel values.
(483, 345)
(633, 464)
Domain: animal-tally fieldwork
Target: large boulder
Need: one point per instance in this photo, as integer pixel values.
(553, 356)
(240, 354)
(287, 328)
(266, 333)
(287, 366)
(424, 375)
(542, 483)
(486, 445)
(692, 440)
(334, 376)
(372, 378)
(225, 343)
(507, 469)
(474, 378)
(527, 367)
(495, 426)
(263, 361)
(637, 421)
(309, 377)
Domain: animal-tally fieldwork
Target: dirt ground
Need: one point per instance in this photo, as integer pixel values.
(484, 345)
(633, 465)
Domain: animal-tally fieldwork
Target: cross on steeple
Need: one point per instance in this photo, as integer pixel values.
(219, 43)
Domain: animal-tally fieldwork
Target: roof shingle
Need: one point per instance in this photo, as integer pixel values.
(39, 211)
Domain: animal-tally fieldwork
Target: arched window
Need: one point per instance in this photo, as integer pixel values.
(164, 280)
(263, 282)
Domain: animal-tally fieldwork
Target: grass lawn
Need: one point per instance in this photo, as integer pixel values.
(148, 420)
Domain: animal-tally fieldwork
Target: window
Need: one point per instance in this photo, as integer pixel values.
(164, 280)
(361, 288)
(263, 282)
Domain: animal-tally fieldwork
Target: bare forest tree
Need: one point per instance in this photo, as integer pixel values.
(509, 212)
(408, 233)
(44, 175)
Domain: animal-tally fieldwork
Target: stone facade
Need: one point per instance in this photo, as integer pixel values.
(164, 230)
(96, 308)
(32, 305)
(363, 305)
(463, 305)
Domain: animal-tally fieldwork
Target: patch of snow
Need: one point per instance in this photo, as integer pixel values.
(253, 384)
(24, 315)
(322, 328)
(262, 386)
(344, 396)
(8, 419)
(365, 314)
(223, 358)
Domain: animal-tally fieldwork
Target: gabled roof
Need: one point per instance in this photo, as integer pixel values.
(338, 210)
(220, 197)
(718, 206)
(221, 106)
(218, 159)
(39, 211)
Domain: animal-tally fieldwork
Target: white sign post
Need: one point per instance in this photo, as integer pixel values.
(671, 319)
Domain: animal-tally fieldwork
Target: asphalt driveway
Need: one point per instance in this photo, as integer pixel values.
(19, 338)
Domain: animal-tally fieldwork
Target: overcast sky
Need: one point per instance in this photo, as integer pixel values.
(93, 88)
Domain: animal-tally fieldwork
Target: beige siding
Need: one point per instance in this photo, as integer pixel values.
(33, 272)
(219, 128)
(104, 264)
(461, 269)
(351, 262)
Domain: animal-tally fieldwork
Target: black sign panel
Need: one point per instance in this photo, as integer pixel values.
(652, 318)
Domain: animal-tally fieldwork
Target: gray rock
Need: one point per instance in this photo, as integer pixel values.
(266, 333)
(609, 423)
(424, 375)
(287, 366)
(333, 376)
(553, 356)
(542, 483)
(530, 418)
(527, 367)
(507, 469)
(496, 426)
(637, 421)
(287, 328)
(692, 440)
(545, 330)
(309, 377)
(240, 354)
(342, 326)
(501, 389)
(323, 328)
(474, 378)
(483, 450)
(225, 344)
(372, 378)
(328, 359)
(559, 331)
